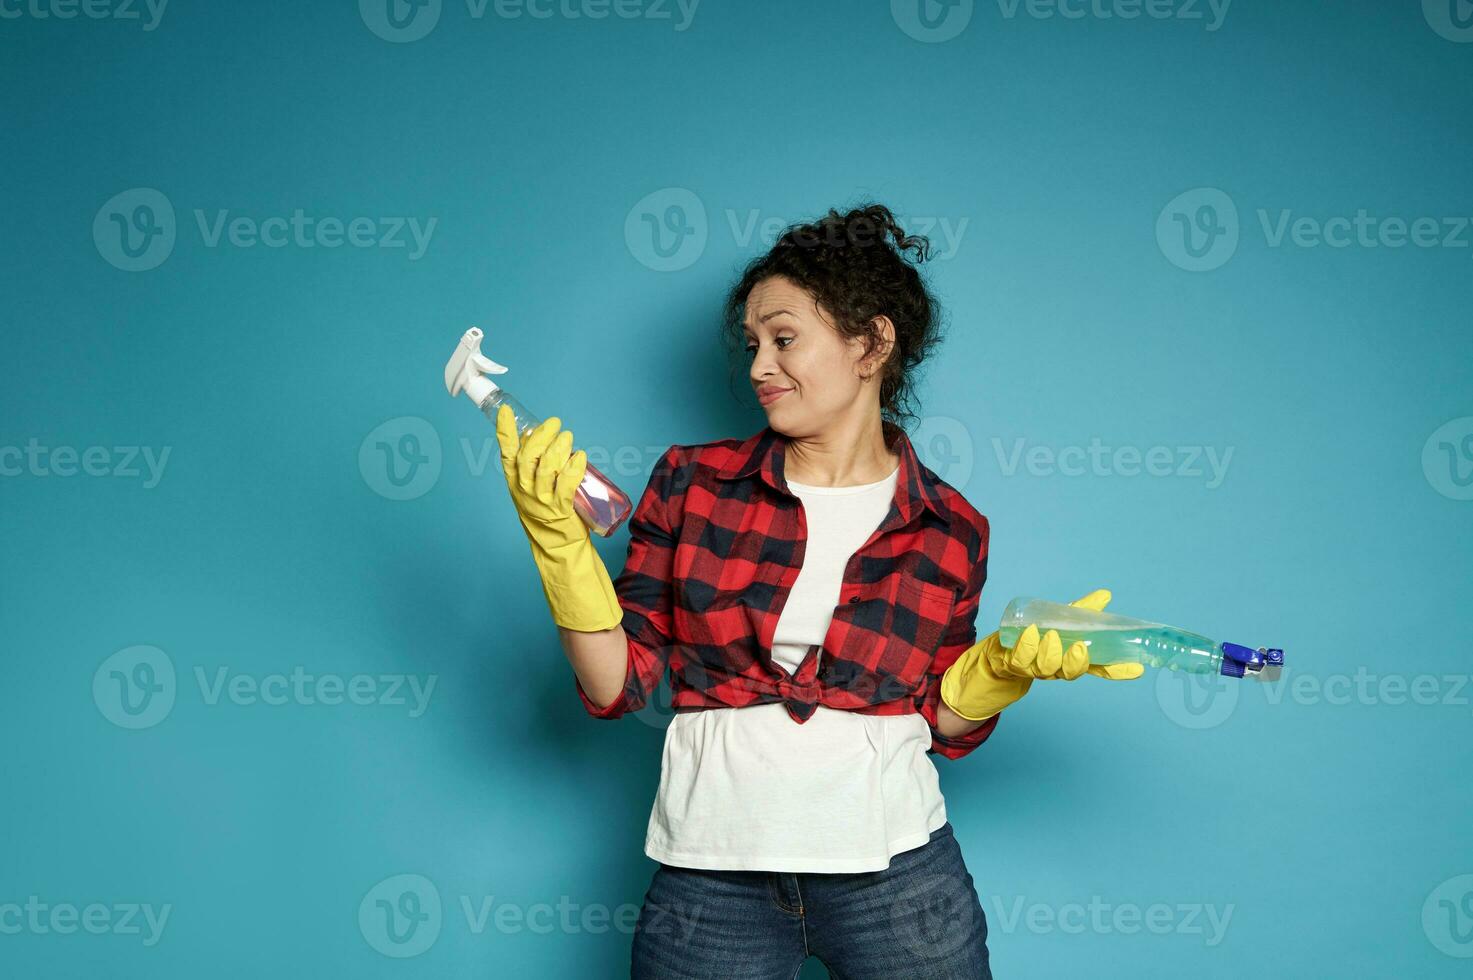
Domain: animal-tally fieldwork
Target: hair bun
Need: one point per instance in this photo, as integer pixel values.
(876, 223)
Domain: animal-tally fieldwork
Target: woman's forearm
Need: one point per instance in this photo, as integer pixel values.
(951, 724)
(600, 659)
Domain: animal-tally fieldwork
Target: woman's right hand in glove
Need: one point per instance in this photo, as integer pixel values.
(989, 676)
(542, 475)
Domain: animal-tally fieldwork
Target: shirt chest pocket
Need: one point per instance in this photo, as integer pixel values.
(919, 615)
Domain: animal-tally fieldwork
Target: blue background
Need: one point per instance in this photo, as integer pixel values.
(274, 538)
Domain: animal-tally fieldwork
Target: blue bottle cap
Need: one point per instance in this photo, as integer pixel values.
(1238, 660)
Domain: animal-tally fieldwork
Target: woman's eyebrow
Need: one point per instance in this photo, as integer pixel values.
(768, 316)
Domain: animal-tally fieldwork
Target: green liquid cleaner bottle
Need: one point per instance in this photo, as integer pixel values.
(1114, 639)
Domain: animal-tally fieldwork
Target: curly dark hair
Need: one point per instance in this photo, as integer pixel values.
(855, 266)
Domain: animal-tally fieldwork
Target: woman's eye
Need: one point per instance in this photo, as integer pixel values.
(781, 342)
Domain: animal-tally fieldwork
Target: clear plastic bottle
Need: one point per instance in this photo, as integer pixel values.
(601, 504)
(598, 500)
(1114, 639)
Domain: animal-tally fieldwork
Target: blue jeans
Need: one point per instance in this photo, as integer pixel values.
(918, 918)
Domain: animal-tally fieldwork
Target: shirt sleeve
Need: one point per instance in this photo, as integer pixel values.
(960, 636)
(644, 591)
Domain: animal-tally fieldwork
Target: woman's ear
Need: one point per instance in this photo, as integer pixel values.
(884, 342)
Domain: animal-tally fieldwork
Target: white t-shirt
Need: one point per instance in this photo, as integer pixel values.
(752, 789)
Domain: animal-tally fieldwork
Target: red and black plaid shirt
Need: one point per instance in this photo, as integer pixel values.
(715, 546)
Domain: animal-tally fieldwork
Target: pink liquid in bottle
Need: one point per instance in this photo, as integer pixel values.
(598, 501)
(601, 504)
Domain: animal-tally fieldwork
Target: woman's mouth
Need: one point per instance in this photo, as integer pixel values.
(769, 395)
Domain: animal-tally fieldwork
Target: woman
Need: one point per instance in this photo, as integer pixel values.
(812, 590)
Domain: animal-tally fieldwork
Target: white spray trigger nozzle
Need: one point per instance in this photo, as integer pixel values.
(467, 368)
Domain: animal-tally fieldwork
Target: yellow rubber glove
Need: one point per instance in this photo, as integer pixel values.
(989, 676)
(542, 478)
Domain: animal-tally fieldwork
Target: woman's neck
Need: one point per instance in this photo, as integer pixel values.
(844, 456)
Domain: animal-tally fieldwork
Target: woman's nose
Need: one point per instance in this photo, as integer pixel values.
(762, 368)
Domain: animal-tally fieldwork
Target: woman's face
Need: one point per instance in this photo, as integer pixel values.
(805, 372)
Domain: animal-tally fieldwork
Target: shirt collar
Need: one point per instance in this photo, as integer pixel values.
(763, 453)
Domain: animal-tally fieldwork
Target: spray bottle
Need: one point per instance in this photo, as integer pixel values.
(601, 504)
(1113, 639)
